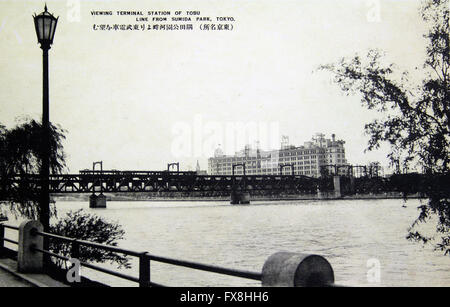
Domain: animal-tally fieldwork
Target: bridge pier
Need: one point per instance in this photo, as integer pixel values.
(238, 197)
(97, 201)
(320, 194)
(337, 186)
(352, 185)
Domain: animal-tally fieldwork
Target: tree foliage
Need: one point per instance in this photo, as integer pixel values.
(414, 116)
(89, 227)
(20, 150)
(20, 154)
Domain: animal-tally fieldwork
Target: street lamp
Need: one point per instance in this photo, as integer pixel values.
(45, 24)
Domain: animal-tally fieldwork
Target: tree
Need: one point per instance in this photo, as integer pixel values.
(88, 227)
(20, 150)
(414, 117)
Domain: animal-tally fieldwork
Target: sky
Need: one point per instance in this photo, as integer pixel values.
(138, 100)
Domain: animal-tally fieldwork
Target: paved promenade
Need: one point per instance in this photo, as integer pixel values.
(9, 277)
(9, 280)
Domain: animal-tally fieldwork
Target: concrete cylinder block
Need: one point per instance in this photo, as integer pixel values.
(284, 269)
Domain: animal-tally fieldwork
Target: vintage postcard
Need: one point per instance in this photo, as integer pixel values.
(238, 143)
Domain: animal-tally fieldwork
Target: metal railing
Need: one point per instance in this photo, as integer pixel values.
(280, 269)
(144, 259)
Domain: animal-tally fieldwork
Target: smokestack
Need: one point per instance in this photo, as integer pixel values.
(333, 136)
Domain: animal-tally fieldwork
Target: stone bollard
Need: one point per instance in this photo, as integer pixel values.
(284, 269)
(29, 261)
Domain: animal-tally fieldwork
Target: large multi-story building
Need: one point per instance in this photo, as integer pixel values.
(307, 159)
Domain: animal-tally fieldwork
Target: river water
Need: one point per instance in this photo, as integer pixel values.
(360, 238)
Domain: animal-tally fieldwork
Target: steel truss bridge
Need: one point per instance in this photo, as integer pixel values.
(163, 181)
(190, 183)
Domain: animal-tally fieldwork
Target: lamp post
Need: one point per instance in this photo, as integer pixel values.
(45, 24)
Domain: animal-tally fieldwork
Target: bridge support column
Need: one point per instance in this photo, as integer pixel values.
(97, 201)
(234, 198)
(238, 197)
(337, 186)
(320, 194)
(352, 184)
(245, 198)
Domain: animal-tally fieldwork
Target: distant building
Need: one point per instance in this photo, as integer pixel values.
(306, 159)
(199, 171)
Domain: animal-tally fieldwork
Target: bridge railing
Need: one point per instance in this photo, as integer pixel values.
(280, 269)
